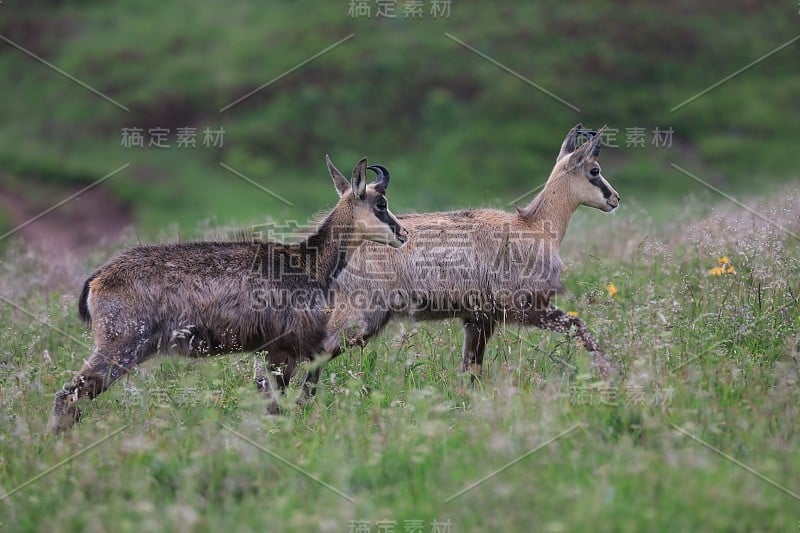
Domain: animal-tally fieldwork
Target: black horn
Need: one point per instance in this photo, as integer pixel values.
(590, 135)
(382, 179)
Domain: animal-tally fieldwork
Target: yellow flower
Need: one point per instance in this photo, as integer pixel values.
(723, 267)
(612, 290)
(573, 313)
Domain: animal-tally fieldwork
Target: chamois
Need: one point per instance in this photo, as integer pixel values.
(207, 298)
(483, 266)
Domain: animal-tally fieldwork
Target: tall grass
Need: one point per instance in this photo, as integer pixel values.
(396, 432)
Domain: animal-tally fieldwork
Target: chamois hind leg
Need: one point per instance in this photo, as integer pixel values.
(108, 363)
(554, 319)
(477, 332)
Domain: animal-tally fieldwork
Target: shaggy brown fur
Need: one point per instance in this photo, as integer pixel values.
(207, 298)
(483, 266)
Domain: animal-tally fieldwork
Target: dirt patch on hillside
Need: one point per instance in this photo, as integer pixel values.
(85, 222)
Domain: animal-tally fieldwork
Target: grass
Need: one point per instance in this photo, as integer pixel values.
(395, 428)
(396, 432)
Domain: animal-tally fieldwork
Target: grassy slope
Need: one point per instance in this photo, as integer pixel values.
(443, 119)
(398, 430)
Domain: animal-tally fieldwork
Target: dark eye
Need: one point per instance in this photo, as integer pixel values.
(381, 206)
(595, 171)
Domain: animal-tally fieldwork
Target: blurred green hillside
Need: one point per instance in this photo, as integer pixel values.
(454, 128)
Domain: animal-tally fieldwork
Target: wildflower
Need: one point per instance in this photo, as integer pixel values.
(612, 290)
(724, 266)
(573, 313)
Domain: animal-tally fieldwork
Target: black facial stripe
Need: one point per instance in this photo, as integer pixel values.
(597, 182)
(389, 220)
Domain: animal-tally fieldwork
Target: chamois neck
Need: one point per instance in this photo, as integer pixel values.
(551, 210)
(328, 247)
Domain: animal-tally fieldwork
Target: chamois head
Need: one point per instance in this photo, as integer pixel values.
(372, 219)
(577, 163)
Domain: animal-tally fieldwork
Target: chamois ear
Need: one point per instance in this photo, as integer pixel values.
(359, 179)
(588, 150)
(570, 142)
(339, 181)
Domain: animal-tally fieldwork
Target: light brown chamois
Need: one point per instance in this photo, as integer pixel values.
(483, 266)
(206, 298)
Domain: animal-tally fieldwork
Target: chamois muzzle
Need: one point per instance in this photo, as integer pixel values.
(400, 233)
(403, 236)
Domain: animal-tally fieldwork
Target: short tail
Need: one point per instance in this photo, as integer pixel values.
(83, 307)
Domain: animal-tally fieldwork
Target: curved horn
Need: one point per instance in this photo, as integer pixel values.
(594, 139)
(382, 179)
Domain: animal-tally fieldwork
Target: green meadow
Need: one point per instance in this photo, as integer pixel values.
(691, 286)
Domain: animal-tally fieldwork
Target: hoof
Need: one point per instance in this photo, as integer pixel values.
(273, 409)
(607, 369)
(359, 341)
(65, 413)
(473, 370)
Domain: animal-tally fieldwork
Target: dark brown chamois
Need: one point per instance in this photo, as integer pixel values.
(206, 298)
(483, 266)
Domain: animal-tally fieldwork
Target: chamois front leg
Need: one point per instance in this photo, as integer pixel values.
(333, 347)
(309, 387)
(267, 386)
(313, 372)
(477, 332)
(273, 376)
(349, 326)
(554, 319)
